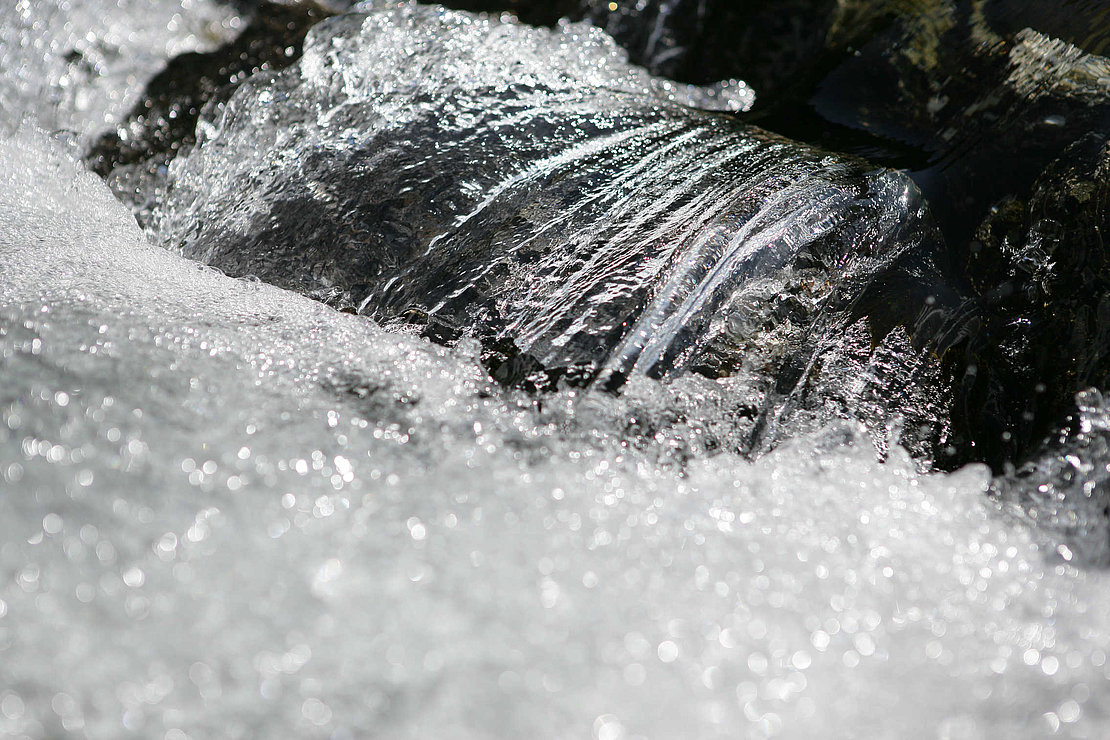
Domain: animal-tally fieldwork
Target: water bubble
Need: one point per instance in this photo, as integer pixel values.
(667, 651)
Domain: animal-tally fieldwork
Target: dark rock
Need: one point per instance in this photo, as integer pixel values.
(569, 211)
(702, 41)
(1046, 335)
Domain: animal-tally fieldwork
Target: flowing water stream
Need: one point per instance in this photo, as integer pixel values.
(229, 509)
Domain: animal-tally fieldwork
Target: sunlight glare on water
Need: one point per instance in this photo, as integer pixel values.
(228, 510)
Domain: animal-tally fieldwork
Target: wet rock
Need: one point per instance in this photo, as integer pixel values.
(1046, 312)
(948, 92)
(991, 107)
(528, 188)
(1002, 109)
(1048, 334)
(698, 41)
(706, 40)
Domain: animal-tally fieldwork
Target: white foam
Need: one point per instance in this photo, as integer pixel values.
(80, 65)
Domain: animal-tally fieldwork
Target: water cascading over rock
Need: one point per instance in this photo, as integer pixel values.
(250, 514)
(587, 226)
(529, 188)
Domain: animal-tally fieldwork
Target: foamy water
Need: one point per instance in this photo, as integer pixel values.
(227, 510)
(230, 511)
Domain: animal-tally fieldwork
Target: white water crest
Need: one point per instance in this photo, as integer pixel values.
(78, 66)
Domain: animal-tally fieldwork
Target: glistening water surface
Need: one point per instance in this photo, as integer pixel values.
(231, 511)
(228, 510)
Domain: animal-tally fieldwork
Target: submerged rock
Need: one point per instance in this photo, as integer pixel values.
(999, 111)
(588, 222)
(529, 188)
(346, 528)
(232, 549)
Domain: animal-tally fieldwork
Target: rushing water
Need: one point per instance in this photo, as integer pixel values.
(227, 509)
(529, 187)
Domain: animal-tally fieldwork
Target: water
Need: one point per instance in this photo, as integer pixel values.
(79, 66)
(529, 187)
(227, 510)
(593, 182)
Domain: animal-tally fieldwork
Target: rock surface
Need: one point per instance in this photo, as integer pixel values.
(530, 189)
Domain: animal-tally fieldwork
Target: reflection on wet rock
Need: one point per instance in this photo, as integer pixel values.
(528, 187)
